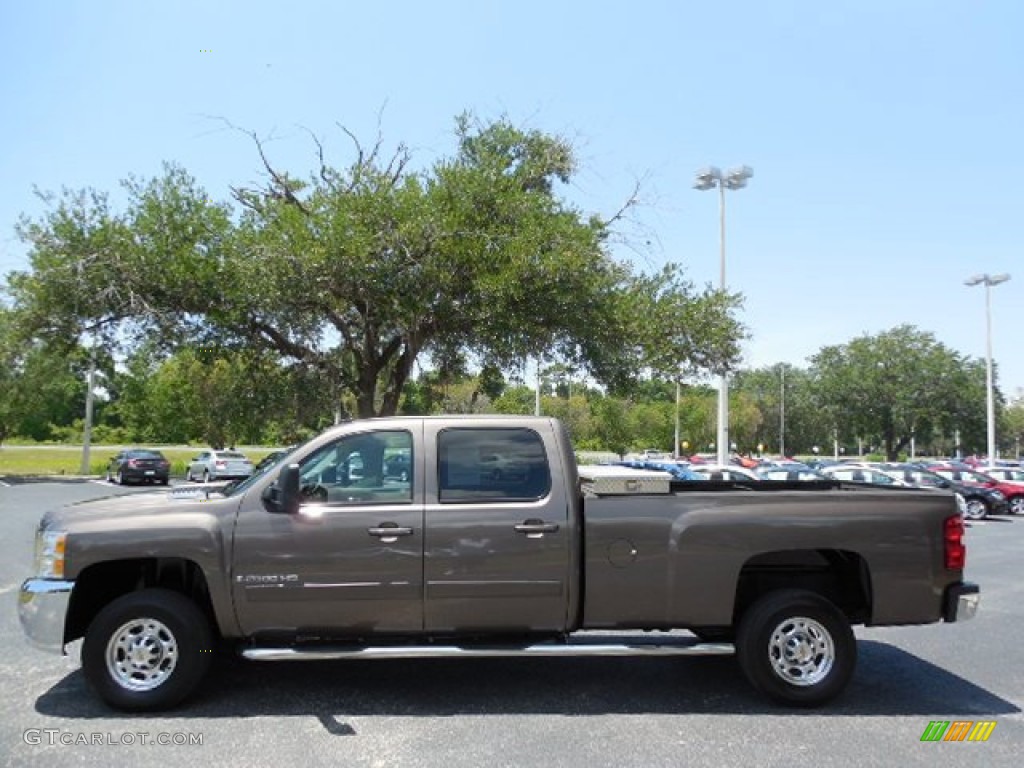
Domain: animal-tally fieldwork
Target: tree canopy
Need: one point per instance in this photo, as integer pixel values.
(899, 384)
(354, 273)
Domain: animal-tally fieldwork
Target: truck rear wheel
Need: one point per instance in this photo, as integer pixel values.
(796, 647)
(147, 650)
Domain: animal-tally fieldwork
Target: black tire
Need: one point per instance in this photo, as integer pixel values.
(120, 477)
(164, 480)
(820, 641)
(206, 475)
(163, 618)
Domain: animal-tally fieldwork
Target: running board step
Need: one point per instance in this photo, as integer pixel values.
(325, 652)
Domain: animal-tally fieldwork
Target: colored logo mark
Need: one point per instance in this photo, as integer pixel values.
(206, 50)
(958, 730)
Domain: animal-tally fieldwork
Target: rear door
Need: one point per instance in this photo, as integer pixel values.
(497, 549)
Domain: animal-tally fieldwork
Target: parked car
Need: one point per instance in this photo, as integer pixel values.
(979, 502)
(212, 465)
(398, 466)
(679, 471)
(858, 474)
(1013, 492)
(1006, 474)
(820, 464)
(790, 473)
(730, 472)
(139, 465)
(652, 454)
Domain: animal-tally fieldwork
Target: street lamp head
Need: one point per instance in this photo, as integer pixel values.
(988, 280)
(737, 178)
(707, 178)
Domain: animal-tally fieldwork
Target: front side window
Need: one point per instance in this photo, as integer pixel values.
(492, 465)
(358, 469)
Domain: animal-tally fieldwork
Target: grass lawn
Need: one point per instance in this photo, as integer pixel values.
(67, 459)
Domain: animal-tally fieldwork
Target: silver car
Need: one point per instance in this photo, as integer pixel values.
(218, 465)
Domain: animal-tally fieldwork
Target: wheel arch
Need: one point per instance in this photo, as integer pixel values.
(841, 576)
(99, 584)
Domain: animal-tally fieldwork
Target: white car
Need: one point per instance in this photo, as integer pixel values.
(212, 465)
(853, 473)
(724, 472)
(1005, 474)
(790, 473)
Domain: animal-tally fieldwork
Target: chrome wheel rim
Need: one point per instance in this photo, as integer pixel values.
(1017, 505)
(142, 654)
(975, 509)
(801, 651)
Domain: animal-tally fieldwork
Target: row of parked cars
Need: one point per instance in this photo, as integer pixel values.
(980, 491)
(143, 465)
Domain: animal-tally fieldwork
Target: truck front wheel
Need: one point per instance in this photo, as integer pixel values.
(147, 650)
(796, 647)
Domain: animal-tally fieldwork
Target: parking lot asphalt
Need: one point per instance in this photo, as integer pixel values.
(528, 712)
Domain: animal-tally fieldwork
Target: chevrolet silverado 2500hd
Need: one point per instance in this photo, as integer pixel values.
(493, 542)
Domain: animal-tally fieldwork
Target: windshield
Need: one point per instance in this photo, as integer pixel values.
(241, 486)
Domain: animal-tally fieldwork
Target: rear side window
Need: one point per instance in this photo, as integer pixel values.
(492, 465)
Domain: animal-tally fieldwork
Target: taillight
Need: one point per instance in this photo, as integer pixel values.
(221, 464)
(132, 463)
(955, 549)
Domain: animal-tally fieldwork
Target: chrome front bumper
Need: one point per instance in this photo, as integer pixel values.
(961, 601)
(42, 608)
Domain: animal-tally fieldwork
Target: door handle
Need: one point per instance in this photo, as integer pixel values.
(389, 532)
(535, 529)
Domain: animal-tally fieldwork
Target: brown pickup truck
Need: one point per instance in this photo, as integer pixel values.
(480, 536)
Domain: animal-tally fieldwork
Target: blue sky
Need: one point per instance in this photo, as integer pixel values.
(885, 136)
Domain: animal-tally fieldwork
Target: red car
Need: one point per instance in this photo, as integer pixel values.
(1014, 492)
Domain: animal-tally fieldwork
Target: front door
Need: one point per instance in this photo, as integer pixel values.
(497, 550)
(350, 562)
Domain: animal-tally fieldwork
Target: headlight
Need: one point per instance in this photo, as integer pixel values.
(50, 547)
(998, 495)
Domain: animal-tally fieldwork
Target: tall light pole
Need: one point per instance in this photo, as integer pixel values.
(782, 411)
(710, 178)
(990, 401)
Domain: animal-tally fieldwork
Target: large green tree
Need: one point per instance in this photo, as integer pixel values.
(357, 271)
(897, 385)
(785, 396)
(1013, 428)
